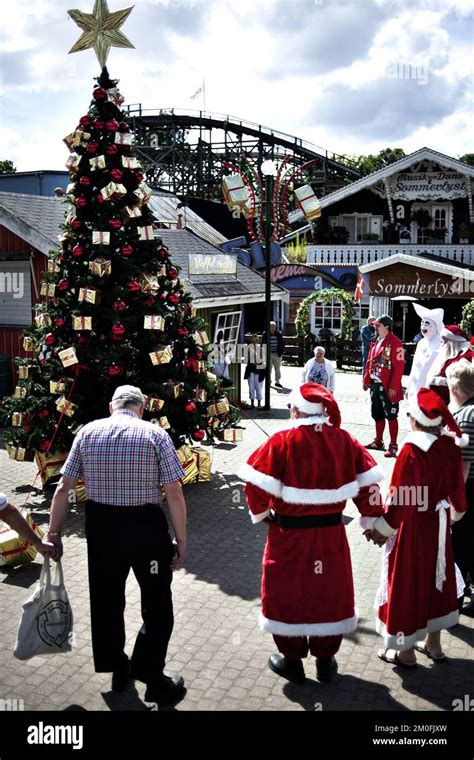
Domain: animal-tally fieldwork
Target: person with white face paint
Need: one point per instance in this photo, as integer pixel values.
(427, 348)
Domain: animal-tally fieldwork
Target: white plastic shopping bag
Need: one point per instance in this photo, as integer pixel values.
(46, 620)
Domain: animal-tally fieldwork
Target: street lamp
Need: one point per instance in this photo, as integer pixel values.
(269, 171)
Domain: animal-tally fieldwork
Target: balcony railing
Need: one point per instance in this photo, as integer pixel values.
(367, 254)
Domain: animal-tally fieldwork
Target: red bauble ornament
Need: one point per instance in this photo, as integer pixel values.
(174, 298)
(198, 435)
(124, 127)
(119, 306)
(59, 322)
(191, 364)
(172, 273)
(81, 338)
(190, 407)
(139, 176)
(99, 124)
(149, 301)
(115, 224)
(118, 330)
(126, 250)
(44, 414)
(116, 174)
(50, 339)
(81, 202)
(115, 370)
(44, 445)
(182, 331)
(111, 150)
(99, 94)
(63, 285)
(162, 296)
(134, 286)
(163, 254)
(92, 147)
(78, 251)
(76, 224)
(198, 354)
(85, 181)
(85, 121)
(100, 199)
(27, 428)
(112, 125)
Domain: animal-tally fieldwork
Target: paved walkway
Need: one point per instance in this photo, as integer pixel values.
(216, 644)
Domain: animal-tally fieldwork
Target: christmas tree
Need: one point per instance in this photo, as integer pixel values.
(115, 309)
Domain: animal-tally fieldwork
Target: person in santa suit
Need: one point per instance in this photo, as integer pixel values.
(298, 482)
(383, 375)
(427, 348)
(454, 346)
(419, 585)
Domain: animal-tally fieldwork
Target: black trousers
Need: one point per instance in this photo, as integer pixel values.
(381, 407)
(120, 539)
(463, 536)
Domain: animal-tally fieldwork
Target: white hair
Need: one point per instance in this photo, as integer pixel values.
(126, 395)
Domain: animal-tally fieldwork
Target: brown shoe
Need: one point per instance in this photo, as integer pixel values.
(392, 450)
(375, 444)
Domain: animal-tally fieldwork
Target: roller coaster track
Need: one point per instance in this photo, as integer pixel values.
(182, 151)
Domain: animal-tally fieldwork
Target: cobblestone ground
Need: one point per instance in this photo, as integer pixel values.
(216, 644)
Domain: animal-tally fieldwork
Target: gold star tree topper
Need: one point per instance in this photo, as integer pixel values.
(101, 30)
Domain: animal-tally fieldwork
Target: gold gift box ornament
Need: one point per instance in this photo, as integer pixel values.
(48, 289)
(307, 202)
(20, 392)
(43, 320)
(163, 423)
(154, 404)
(24, 371)
(203, 463)
(19, 454)
(131, 212)
(73, 162)
(149, 283)
(57, 387)
(100, 267)
(235, 191)
(68, 357)
(146, 233)
(28, 344)
(187, 461)
(122, 138)
(52, 266)
(63, 405)
(17, 419)
(15, 551)
(231, 435)
(131, 163)
(200, 337)
(113, 191)
(98, 162)
(82, 323)
(76, 139)
(90, 295)
(153, 322)
(143, 193)
(220, 407)
(162, 357)
(100, 237)
(49, 465)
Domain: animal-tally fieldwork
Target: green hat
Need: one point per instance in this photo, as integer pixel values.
(384, 320)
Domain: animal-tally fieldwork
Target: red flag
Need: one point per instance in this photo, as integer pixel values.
(360, 287)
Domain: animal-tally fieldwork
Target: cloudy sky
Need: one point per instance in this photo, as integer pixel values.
(352, 76)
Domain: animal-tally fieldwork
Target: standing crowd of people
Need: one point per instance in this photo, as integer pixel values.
(298, 483)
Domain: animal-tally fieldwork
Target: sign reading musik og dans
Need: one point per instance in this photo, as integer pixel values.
(217, 263)
(425, 186)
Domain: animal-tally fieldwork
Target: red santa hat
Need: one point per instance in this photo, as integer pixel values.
(313, 398)
(429, 410)
(454, 332)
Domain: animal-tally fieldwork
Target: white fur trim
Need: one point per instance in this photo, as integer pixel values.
(260, 517)
(309, 629)
(455, 515)
(367, 523)
(369, 477)
(383, 527)
(265, 482)
(435, 624)
(315, 419)
(463, 441)
(296, 399)
(422, 440)
(319, 495)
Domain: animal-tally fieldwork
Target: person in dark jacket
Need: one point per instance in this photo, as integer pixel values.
(367, 334)
(277, 346)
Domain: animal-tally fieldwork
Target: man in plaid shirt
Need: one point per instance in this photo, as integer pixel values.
(124, 462)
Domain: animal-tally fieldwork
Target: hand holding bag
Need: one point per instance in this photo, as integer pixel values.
(46, 620)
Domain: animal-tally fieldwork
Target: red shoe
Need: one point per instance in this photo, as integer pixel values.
(392, 450)
(377, 445)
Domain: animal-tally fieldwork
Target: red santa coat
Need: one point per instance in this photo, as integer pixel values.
(440, 382)
(312, 468)
(428, 470)
(386, 360)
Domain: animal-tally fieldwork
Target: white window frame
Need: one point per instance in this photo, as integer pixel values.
(229, 322)
(374, 224)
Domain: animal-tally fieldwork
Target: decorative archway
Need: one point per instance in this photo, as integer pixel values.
(467, 317)
(326, 296)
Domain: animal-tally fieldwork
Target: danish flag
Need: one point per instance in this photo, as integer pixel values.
(360, 287)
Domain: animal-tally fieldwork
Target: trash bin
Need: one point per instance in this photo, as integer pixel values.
(5, 376)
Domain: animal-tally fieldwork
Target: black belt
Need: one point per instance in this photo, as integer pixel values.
(307, 521)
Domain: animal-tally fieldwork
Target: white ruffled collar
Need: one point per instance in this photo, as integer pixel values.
(422, 440)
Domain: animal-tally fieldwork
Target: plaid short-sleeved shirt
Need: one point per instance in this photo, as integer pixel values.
(123, 460)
